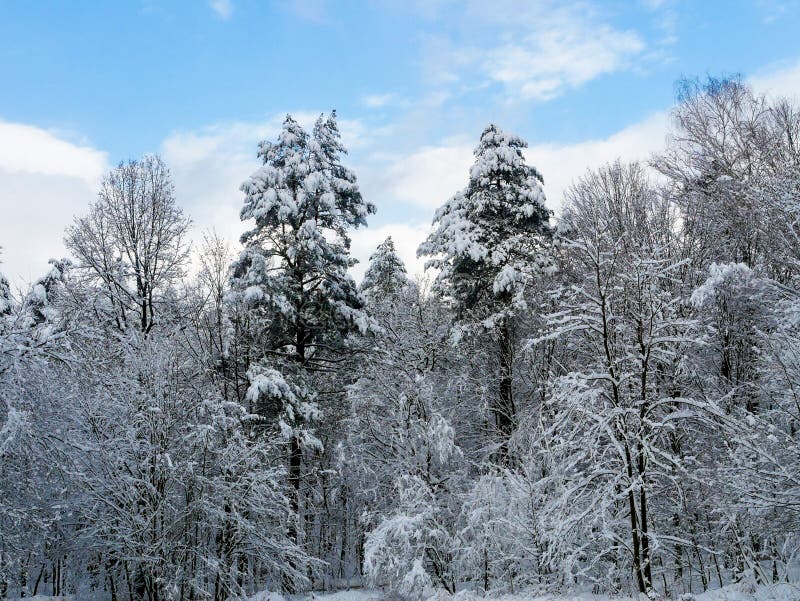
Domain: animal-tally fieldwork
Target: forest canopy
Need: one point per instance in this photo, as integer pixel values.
(603, 399)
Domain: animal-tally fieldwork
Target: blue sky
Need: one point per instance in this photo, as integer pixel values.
(87, 84)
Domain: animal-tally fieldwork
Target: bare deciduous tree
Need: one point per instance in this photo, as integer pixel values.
(133, 239)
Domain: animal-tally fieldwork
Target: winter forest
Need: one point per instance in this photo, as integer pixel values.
(600, 401)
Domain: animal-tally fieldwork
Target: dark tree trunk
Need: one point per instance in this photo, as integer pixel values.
(646, 559)
(38, 581)
(504, 410)
(295, 465)
(641, 581)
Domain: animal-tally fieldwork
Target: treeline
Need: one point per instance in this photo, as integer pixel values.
(604, 400)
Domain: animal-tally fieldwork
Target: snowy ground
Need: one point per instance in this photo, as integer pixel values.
(780, 592)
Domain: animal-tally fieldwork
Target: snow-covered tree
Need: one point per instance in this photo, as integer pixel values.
(5, 296)
(499, 533)
(35, 501)
(293, 274)
(385, 274)
(133, 240)
(488, 242)
(726, 142)
(400, 457)
(627, 424)
(611, 422)
(176, 492)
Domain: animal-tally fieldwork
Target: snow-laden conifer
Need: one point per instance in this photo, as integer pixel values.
(293, 275)
(385, 274)
(489, 242)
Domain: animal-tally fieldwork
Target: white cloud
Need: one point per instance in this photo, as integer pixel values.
(44, 181)
(373, 101)
(546, 63)
(34, 210)
(222, 8)
(209, 165)
(425, 178)
(535, 50)
(28, 149)
(783, 80)
(562, 164)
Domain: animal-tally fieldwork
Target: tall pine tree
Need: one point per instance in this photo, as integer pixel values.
(293, 274)
(488, 242)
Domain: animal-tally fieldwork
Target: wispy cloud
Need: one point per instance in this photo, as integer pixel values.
(222, 8)
(535, 50)
(314, 11)
(772, 10)
(374, 101)
(545, 64)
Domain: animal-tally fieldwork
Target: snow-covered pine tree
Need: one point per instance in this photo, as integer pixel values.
(293, 273)
(489, 241)
(40, 296)
(5, 296)
(386, 273)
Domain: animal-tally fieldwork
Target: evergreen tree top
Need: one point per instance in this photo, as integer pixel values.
(294, 265)
(499, 152)
(487, 239)
(302, 180)
(386, 273)
(5, 295)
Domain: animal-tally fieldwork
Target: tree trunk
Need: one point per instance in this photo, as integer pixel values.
(635, 520)
(38, 581)
(646, 559)
(504, 411)
(295, 465)
(302, 338)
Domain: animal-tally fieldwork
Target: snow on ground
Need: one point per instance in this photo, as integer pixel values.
(42, 598)
(347, 595)
(777, 592)
(736, 592)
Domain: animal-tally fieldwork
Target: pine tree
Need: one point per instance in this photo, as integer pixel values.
(386, 273)
(293, 273)
(38, 301)
(5, 296)
(488, 243)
